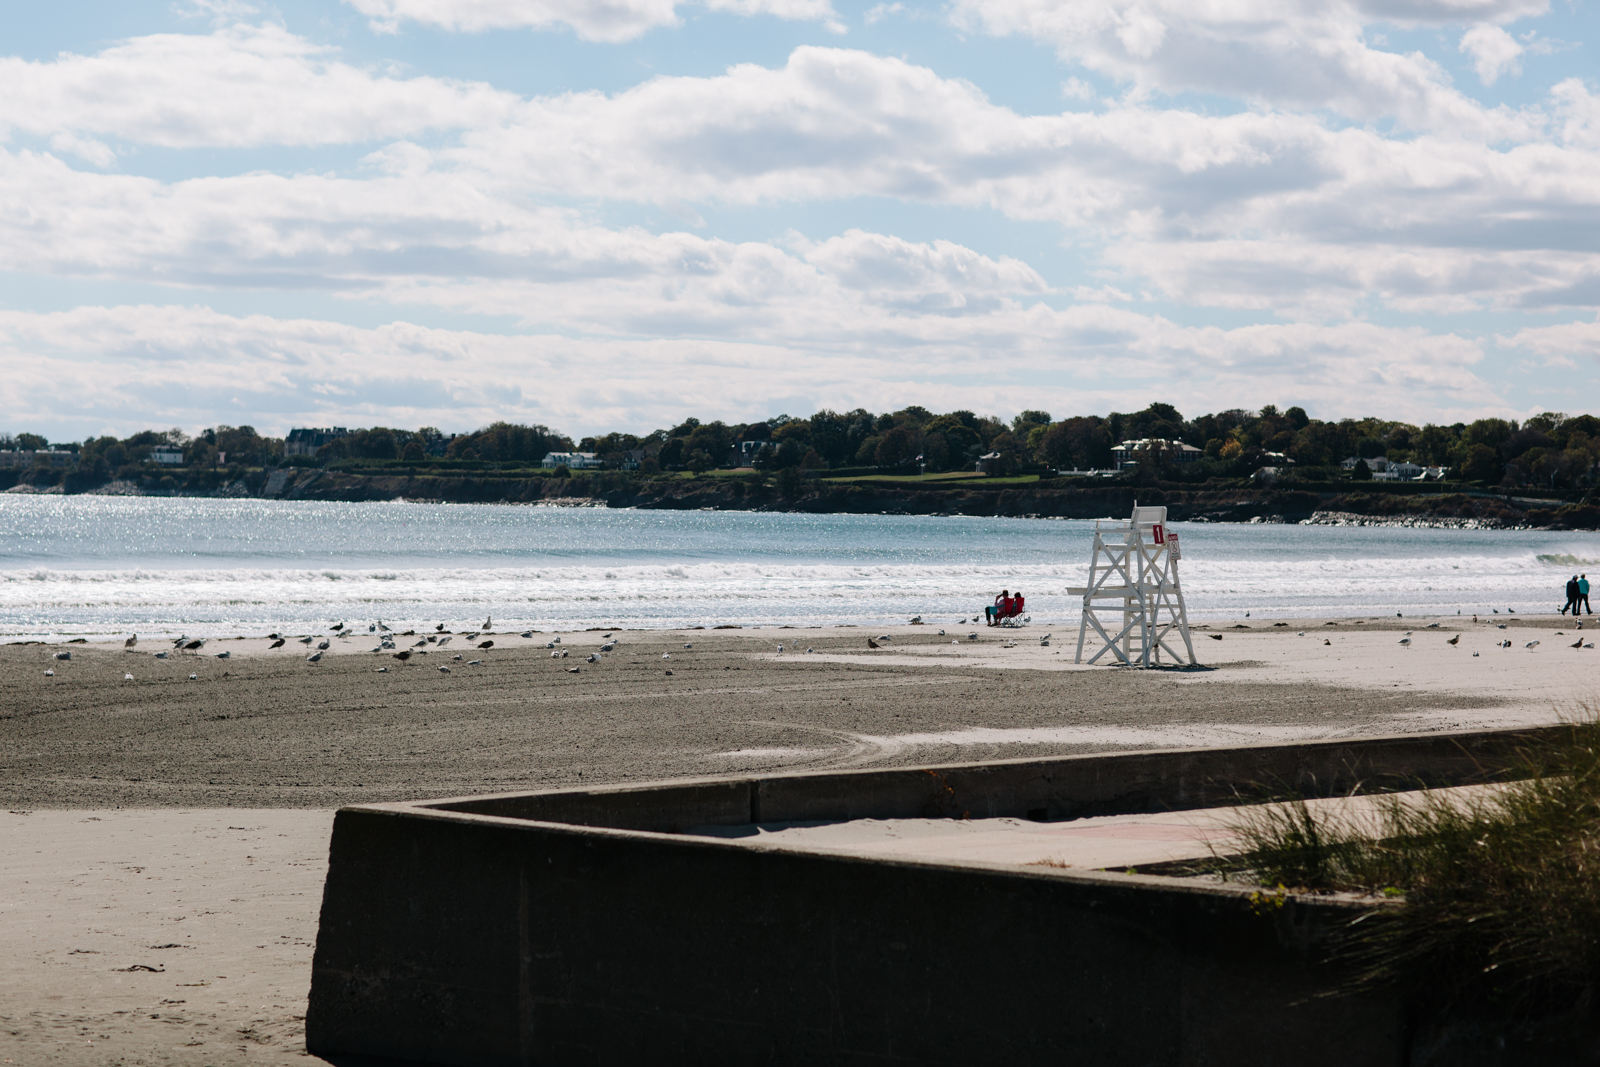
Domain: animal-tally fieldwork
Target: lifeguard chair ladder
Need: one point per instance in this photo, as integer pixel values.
(1135, 562)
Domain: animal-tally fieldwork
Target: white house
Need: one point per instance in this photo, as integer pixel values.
(1400, 472)
(167, 455)
(573, 461)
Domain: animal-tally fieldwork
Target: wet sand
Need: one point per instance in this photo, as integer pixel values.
(171, 811)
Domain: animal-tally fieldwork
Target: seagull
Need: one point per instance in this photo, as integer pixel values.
(1300, 633)
(972, 636)
(381, 670)
(488, 622)
(872, 644)
(1456, 640)
(439, 628)
(63, 655)
(1495, 610)
(1215, 637)
(1433, 626)
(1589, 645)
(527, 633)
(457, 657)
(1405, 641)
(669, 674)
(379, 648)
(1247, 614)
(195, 645)
(372, 628)
(194, 677)
(810, 650)
(885, 638)
(607, 637)
(549, 644)
(1398, 615)
(1531, 644)
(916, 620)
(443, 669)
(402, 656)
(485, 644)
(594, 657)
(572, 670)
(666, 655)
(130, 642)
(473, 662)
(161, 655)
(178, 642)
(780, 648)
(315, 657)
(687, 648)
(1326, 641)
(306, 640)
(1408, 633)
(443, 641)
(953, 641)
(555, 655)
(554, 640)
(337, 626)
(127, 677)
(324, 645)
(1506, 643)
(224, 654)
(608, 646)
(421, 642)
(382, 627)
(1578, 643)
(49, 674)
(1499, 626)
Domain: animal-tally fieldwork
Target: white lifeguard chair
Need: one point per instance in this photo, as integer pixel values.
(1134, 573)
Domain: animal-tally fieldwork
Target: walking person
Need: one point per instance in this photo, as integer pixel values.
(1583, 595)
(1572, 596)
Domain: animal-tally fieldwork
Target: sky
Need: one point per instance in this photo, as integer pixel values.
(615, 214)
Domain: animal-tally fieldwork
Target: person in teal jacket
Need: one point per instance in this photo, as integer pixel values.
(1583, 595)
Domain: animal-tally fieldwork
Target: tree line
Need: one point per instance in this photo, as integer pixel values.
(1550, 450)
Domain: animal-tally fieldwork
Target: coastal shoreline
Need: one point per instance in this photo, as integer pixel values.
(1286, 504)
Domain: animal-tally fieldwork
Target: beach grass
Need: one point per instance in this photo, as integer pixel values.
(1489, 900)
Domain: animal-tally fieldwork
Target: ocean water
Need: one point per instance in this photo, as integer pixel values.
(92, 566)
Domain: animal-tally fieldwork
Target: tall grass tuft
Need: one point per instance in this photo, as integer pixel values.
(1496, 894)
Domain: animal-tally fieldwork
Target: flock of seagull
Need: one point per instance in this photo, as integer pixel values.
(441, 637)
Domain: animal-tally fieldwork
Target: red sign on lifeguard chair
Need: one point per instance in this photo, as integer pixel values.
(1158, 533)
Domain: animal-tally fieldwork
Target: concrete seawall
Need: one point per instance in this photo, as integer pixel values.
(577, 926)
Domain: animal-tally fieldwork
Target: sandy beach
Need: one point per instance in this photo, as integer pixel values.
(165, 835)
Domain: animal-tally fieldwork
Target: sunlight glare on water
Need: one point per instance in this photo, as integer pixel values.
(106, 565)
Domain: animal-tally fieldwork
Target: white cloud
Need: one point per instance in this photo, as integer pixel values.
(878, 12)
(238, 86)
(1303, 54)
(1260, 210)
(1558, 342)
(612, 21)
(1494, 52)
(94, 369)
